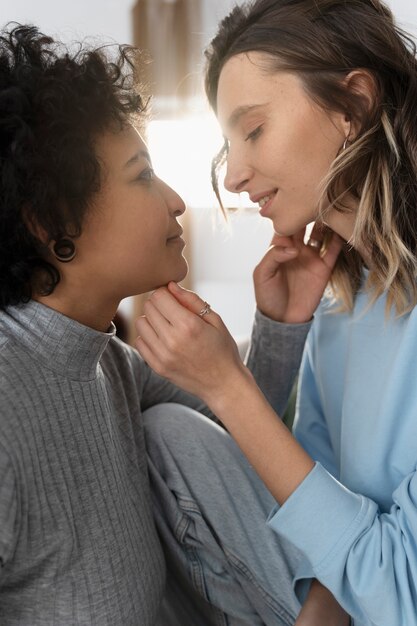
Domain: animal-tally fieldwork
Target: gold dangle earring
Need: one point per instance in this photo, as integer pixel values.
(346, 141)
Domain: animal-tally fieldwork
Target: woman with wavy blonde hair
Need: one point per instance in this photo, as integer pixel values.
(316, 100)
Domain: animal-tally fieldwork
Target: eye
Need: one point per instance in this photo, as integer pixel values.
(147, 175)
(254, 134)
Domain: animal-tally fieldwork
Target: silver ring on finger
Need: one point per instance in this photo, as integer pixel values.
(206, 309)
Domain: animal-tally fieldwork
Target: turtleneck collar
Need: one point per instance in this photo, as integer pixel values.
(58, 342)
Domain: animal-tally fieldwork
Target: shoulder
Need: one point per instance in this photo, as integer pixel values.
(8, 504)
(123, 358)
(119, 351)
(14, 365)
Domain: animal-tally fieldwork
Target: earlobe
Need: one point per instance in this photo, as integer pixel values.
(63, 250)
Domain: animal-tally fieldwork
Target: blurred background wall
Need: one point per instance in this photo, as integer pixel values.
(183, 136)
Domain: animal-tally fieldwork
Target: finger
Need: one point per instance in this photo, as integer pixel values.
(152, 347)
(282, 241)
(299, 236)
(145, 330)
(334, 246)
(143, 348)
(318, 231)
(272, 260)
(155, 318)
(147, 354)
(289, 241)
(194, 304)
(168, 306)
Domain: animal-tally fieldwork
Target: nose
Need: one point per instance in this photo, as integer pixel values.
(175, 203)
(238, 173)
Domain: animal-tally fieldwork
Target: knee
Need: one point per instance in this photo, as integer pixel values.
(168, 417)
(173, 425)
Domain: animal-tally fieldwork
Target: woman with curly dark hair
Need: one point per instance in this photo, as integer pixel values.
(84, 222)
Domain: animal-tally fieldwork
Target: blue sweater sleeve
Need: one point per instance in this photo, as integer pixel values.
(368, 559)
(310, 427)
(354, 516)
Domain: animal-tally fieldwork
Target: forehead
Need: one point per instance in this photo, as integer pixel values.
(114, 148)
(244, 81)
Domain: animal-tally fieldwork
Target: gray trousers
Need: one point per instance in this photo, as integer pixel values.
(224, 565)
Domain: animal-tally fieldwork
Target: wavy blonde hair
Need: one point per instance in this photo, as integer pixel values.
(323, 41)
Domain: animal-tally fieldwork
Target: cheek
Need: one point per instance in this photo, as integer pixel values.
(308, 160)
(291, 153)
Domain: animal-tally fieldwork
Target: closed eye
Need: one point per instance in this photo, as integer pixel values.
(146, 174)
(254, 134)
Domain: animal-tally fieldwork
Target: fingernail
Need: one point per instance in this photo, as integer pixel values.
(175, 286)
(290, 251)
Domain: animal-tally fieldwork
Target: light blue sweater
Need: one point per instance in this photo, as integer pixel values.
(355, 514)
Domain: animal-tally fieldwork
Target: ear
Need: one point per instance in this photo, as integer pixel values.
(364, 85)
(34, 227)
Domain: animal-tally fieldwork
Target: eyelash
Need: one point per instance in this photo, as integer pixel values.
(254, 134)
(147, 175)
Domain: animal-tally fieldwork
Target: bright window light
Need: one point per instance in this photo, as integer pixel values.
(181, 152)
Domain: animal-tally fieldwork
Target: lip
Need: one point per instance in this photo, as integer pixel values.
(176, 235)
(256, 197)
(176, 239)
(264, 210)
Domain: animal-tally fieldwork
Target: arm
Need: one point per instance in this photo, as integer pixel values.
(274, 357)
(200, 356)
(277, 348)
(289, 283)
(151, 388)
(367, 558)
(310, 427)
(157, 389)
(263, 359)
(321, 609)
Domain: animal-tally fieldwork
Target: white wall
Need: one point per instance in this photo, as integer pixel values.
(405, 12)
(105, 20)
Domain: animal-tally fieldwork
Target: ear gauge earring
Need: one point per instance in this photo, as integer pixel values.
(64, 250)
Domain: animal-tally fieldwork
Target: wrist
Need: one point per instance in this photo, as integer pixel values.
(229, 392)
(286, 320)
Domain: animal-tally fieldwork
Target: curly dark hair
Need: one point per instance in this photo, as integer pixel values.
(54, 102)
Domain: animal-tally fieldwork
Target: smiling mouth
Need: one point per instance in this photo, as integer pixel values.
(266, 199)
(265, 203)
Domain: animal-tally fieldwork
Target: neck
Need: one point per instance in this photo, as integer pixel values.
(97, 315)
(343, 224)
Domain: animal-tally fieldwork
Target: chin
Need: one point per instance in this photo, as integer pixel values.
(175, 274)
(289, 229)
(181, 272)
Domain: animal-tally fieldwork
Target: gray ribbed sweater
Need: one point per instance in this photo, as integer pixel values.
(77, 540)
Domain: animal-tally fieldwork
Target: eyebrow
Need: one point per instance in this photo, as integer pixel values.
(240, 111)
(135, 158)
